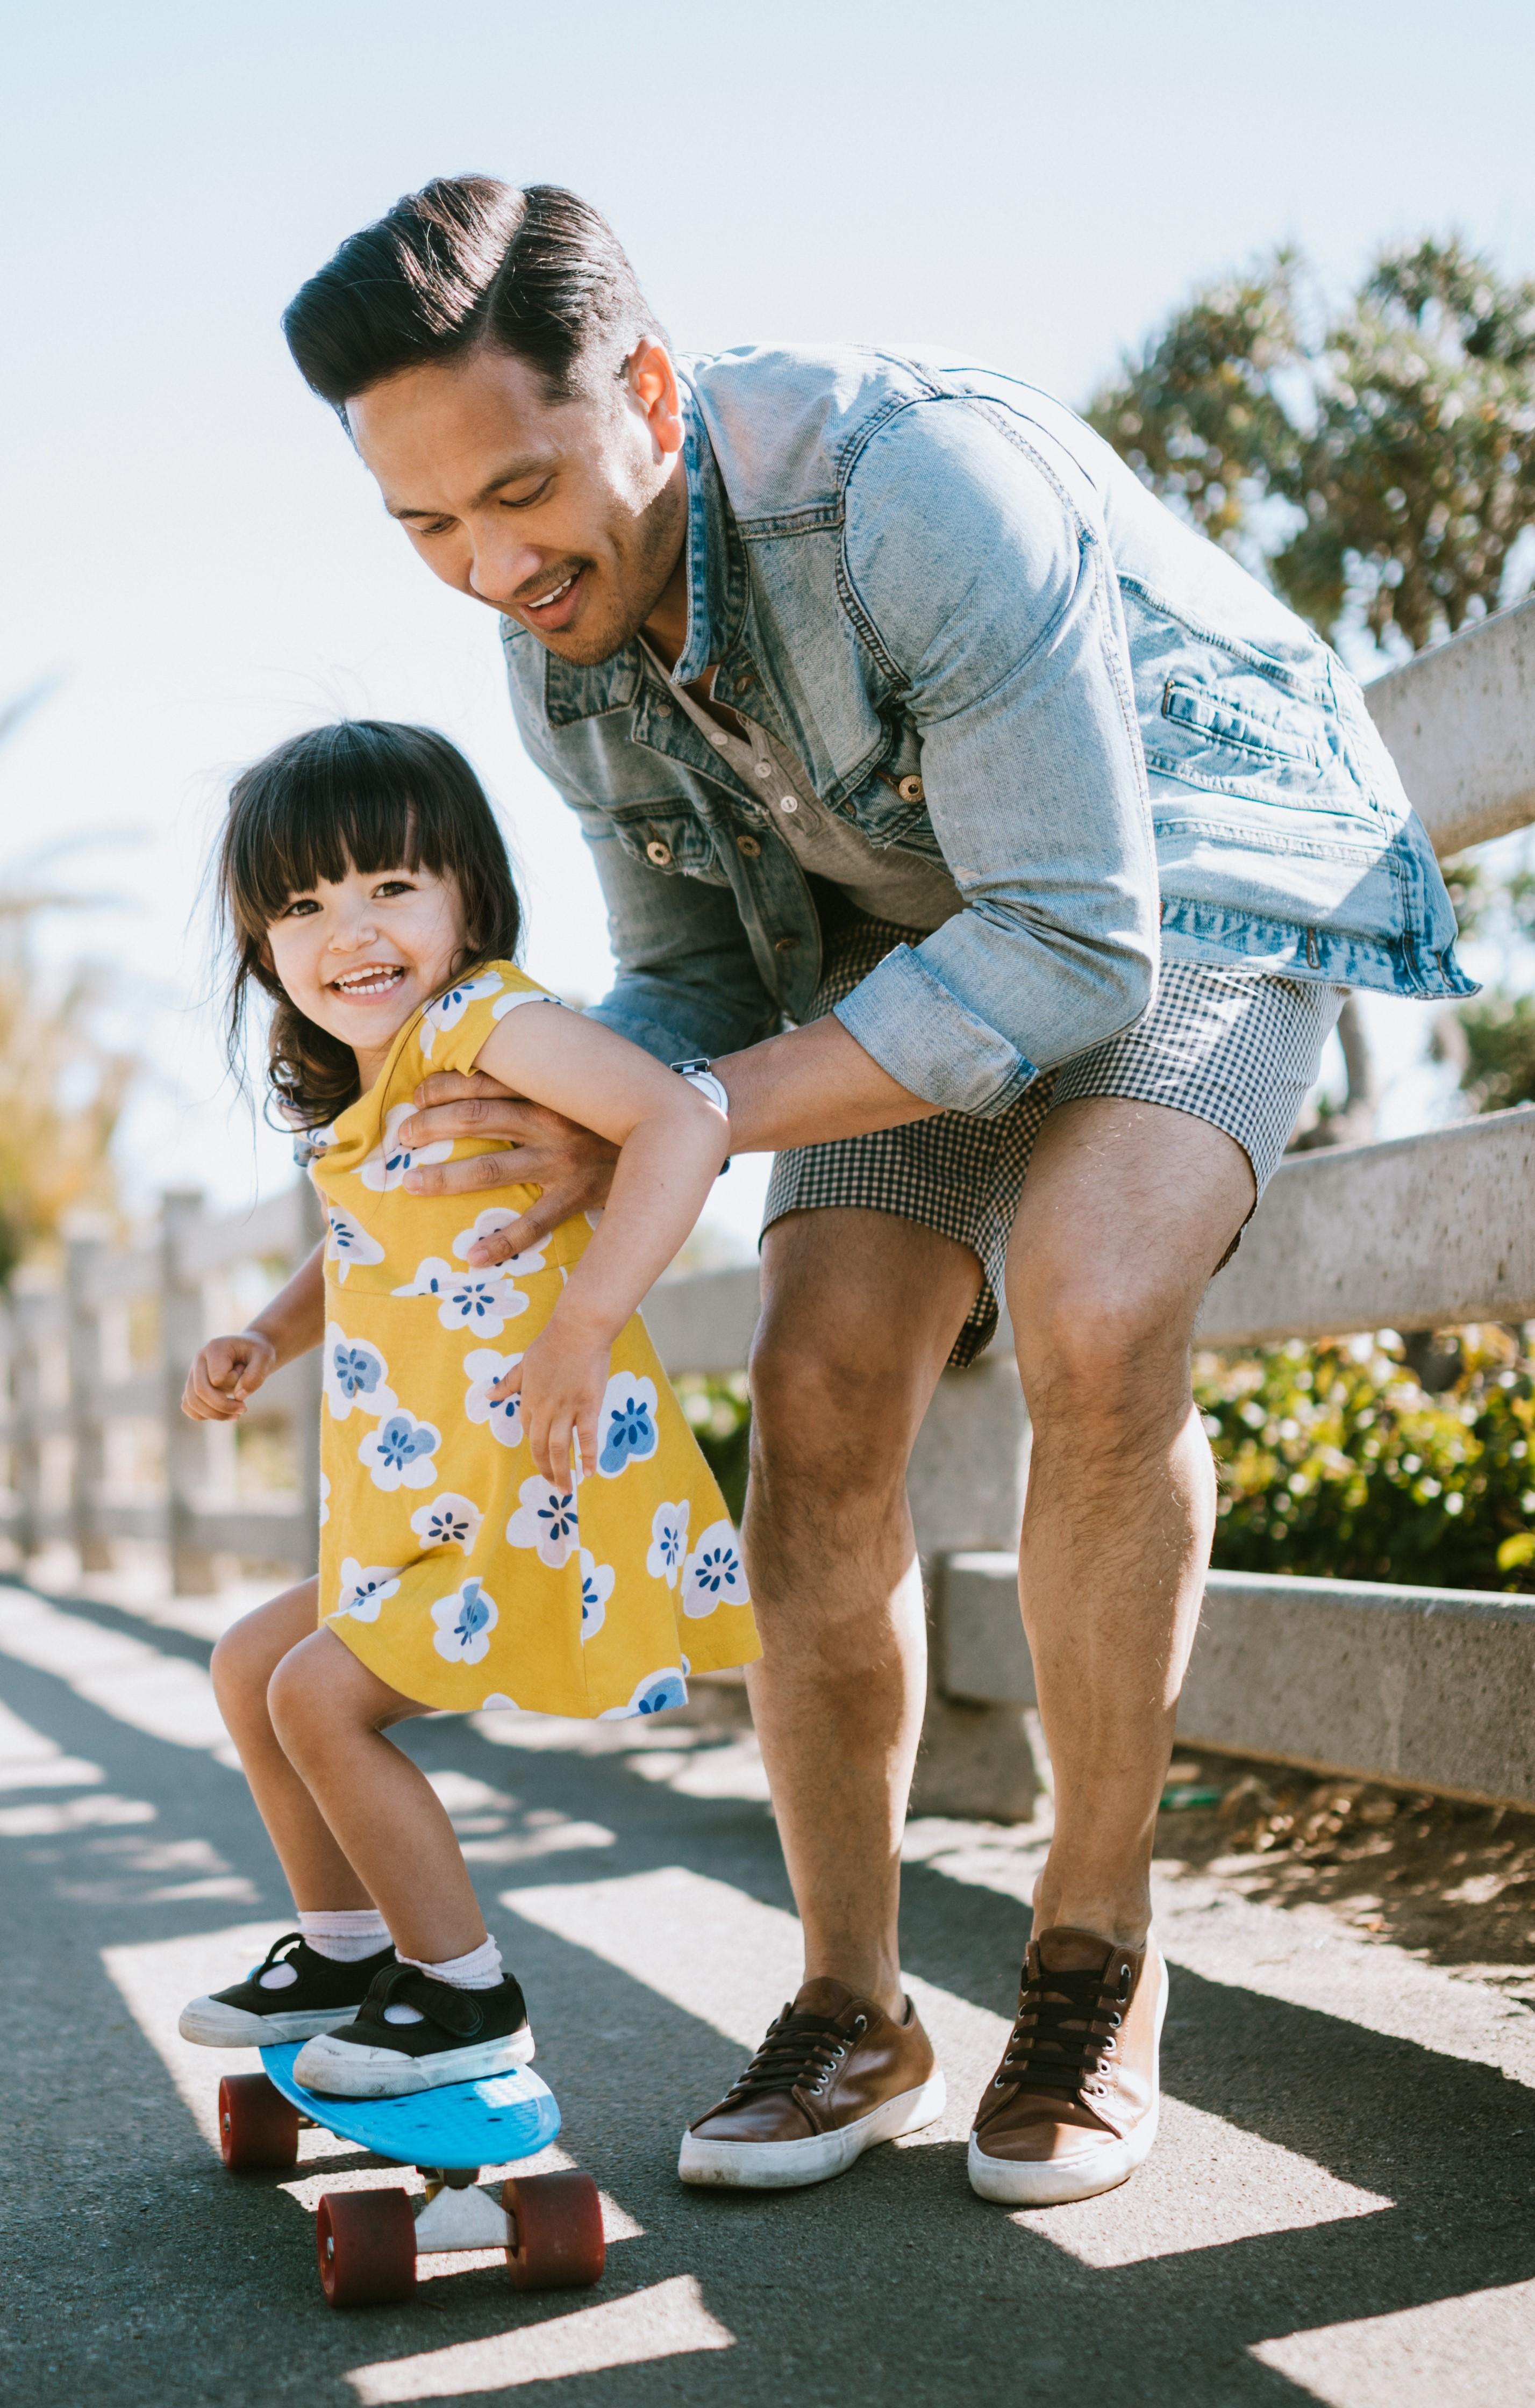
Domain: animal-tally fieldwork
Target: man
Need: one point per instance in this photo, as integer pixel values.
(1009, 849)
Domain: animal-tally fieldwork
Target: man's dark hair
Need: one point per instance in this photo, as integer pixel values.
(468, 260)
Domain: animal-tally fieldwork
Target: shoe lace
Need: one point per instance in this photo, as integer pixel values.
(1067, 2025)
(800, 2052)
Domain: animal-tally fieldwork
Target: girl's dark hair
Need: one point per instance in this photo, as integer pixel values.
(368, 795)
(538, 273)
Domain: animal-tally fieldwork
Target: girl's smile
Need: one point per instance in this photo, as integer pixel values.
(359, 955)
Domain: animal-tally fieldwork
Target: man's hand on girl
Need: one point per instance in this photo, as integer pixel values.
(571, 1166)
(227, 1370)
(561, 1379)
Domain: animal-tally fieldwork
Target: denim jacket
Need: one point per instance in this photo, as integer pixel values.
(987, 643)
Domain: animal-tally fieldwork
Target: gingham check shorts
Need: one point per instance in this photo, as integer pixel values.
(1238, 1049)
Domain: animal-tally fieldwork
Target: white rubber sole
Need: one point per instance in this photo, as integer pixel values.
(1012, 2181)
(788, 2165)
(214, 2025)
(343, 2070)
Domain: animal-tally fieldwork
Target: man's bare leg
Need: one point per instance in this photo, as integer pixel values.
(860, 1310)
(1126, 1211)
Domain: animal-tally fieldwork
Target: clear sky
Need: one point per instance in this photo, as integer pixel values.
(188, 540)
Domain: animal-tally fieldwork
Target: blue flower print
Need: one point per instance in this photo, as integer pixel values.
(390, 1158)
(626, 1426)
(347, 1242)
(546, 1521)
(357, 1370)
(464, 1624)
(399, 1452)
(356, 1377)
(653, 1695)
(669, 1541)
(713, 1574)
(596, 1587)
(449, 1008)
(482, 1301)
(483, 1368)
(448, 1520)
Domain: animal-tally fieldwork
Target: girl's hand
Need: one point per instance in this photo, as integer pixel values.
(227, 1371)
(562, 1378)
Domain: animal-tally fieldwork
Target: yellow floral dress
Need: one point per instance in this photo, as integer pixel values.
(447, 1564)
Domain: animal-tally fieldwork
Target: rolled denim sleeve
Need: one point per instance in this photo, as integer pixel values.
(987, 593)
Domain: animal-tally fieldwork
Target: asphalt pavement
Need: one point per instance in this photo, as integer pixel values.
(1339, 2208)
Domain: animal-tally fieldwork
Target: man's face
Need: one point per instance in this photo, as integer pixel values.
(567, 516)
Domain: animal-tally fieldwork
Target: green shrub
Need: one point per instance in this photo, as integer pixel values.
(1335, 1461)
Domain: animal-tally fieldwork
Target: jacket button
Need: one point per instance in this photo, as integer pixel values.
(748, 845)
(909, 790)
(785, 944)
(658, 853)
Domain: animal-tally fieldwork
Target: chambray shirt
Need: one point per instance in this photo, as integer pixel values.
(983, 641)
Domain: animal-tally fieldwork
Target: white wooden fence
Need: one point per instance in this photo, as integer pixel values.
(90, 1404)
(1431, 1688)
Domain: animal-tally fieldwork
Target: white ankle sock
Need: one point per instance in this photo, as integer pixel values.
(346, 1934)
(480, 1969)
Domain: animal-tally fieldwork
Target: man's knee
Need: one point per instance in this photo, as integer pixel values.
(1101, 1346)
(830, 1404)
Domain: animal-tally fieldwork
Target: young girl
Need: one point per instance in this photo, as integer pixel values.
(516, 1512)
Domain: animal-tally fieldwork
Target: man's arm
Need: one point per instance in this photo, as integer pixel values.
(989, 593)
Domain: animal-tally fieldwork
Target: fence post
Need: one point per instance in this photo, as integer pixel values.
(181, 1332)
(28, 1322)
(85, 1254)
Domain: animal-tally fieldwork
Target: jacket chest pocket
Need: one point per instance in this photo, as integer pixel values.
(675, 842)
(1248, 734)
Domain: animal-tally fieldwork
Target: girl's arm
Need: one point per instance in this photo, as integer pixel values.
(671, 1143)
(229, 1369)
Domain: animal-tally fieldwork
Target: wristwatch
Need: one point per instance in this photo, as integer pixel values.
(699, 1073)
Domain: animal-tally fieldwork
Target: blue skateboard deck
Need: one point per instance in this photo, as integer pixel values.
(466, 2124)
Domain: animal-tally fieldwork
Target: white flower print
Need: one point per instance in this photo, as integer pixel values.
(496, 1217)
(499, 1701)
(657, 1691)
(626, 1426)
(484, 1366)
(596, 1587)
(464, 1624)
(355, 1376)
(389, 1161)
(347, 1242)
(545, 1520)
(398, 1453)
(483, 1301)
(514, 995)
(713, 1574)
(325, 1500)
(364, 1587)
(669, 1541)
(448, 1520)
(449, 1008)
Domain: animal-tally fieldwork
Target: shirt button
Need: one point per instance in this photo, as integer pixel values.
(789, 803)
(909, 790)
(717, 736)
(663, 710)
(748, 845)
(658, 853)
(765, 768)
(785, 944)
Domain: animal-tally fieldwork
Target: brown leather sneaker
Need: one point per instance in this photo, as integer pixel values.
(1073, 2109)
(834, 2075)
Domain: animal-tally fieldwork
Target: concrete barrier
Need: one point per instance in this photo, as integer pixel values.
(1428, 1688)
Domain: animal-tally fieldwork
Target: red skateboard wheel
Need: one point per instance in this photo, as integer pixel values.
(367, 2244)
(556, 2223)
(258, 2127)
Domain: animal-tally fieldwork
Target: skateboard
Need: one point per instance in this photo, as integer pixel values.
(368, 2241)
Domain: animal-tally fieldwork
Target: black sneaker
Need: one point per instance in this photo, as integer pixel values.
(413, 2033)
(313, 1994)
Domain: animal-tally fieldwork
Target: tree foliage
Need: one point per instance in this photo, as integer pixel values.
(1398, 432)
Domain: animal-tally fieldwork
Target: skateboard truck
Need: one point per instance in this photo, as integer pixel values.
(457, 2215)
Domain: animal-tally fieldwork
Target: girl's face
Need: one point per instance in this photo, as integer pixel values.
(360, 956)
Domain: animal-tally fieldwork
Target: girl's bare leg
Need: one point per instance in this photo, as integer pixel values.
(244, 1661)
(329, 1713)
